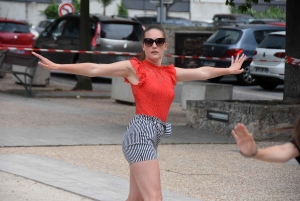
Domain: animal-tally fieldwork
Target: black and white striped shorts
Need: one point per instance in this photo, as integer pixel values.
(142, 137)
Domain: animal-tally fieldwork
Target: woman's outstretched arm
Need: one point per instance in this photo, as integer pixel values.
(117, 69)
(247, 146)
(206, 72)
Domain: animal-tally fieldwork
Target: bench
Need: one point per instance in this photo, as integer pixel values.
(8, 59)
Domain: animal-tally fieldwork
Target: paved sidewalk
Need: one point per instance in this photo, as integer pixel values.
(71, 147)
(72, 178)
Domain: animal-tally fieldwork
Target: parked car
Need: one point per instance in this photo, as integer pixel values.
(269, 61)
(113, 34)
(231, 19)
(43, 24)
(204, 23)
(16, 33)
(265, 21)
(231, 41)
(281, 24)
(176, 21)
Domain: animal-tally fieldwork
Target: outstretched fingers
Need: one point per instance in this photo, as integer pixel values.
(239, 132)
(46, 63)
(242, 58)
(238, 59)
(235, 136)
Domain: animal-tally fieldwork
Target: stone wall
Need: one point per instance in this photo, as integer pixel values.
(258, 117)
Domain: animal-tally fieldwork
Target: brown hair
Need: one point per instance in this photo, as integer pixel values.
(157, 27)
(296, 129)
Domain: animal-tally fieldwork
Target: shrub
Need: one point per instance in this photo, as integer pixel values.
(273, 12)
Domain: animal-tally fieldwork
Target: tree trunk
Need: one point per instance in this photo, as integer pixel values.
(291, 92)
(84, 83)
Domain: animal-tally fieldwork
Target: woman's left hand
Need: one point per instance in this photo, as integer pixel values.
(237, 63)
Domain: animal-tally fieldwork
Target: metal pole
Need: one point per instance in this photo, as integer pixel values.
(161, 11)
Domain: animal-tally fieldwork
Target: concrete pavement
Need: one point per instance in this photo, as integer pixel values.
(69, 149)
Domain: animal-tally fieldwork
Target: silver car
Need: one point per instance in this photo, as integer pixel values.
(269, 61)
(231, 41)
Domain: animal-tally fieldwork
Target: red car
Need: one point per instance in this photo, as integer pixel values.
(16, 33)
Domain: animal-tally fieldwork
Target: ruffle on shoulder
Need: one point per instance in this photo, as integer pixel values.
(172, 72)
(139, 70)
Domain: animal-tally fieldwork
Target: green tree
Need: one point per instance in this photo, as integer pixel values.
(122, 10)
(76, 5)
(273, 12)
(51, 11)
(291, 93)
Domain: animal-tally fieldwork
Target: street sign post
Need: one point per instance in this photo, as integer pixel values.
(161, 14)
(65, 8)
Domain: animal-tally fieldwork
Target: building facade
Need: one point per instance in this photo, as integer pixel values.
(31, 10)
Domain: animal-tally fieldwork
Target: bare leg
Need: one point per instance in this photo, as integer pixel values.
(147, 177)
(134, 192)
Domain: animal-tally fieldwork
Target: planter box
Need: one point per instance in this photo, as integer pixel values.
(205, 91)
(220, 117)
(121, 91)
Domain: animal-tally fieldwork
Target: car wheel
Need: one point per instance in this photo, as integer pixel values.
(215, 79)
(245, 78)
(268, 85)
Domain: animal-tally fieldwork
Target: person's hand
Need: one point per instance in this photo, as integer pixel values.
(46, 63)
(244, 140)
(237, 63)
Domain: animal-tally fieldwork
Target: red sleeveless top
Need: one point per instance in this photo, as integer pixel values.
(155, 91)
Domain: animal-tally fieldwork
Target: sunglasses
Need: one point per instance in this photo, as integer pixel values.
(149, 42)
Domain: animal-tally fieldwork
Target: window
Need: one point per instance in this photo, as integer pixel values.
(273, 42)
(121, 31)
(43, 24)
(11, 27)
(71, 28)
(225, 36)
(58, 28)
(260, 35)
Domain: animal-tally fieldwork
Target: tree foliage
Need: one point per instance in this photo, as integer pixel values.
(51, 11)
(246, 5)
(76, 4)
(273, 12)
(122, 10)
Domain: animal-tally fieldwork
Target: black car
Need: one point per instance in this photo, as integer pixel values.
(231, 19)
(108, 33)
(174, 21)
(231, 41)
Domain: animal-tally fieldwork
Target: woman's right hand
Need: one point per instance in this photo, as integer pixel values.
(46, 63)
(244, 140)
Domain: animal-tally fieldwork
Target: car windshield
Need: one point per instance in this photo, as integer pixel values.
(11, 27)
(246, 19)
(273, 42)
(225, 36)
(121, 31)
(180, 22)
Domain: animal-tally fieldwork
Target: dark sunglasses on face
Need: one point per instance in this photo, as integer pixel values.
(149, 42)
